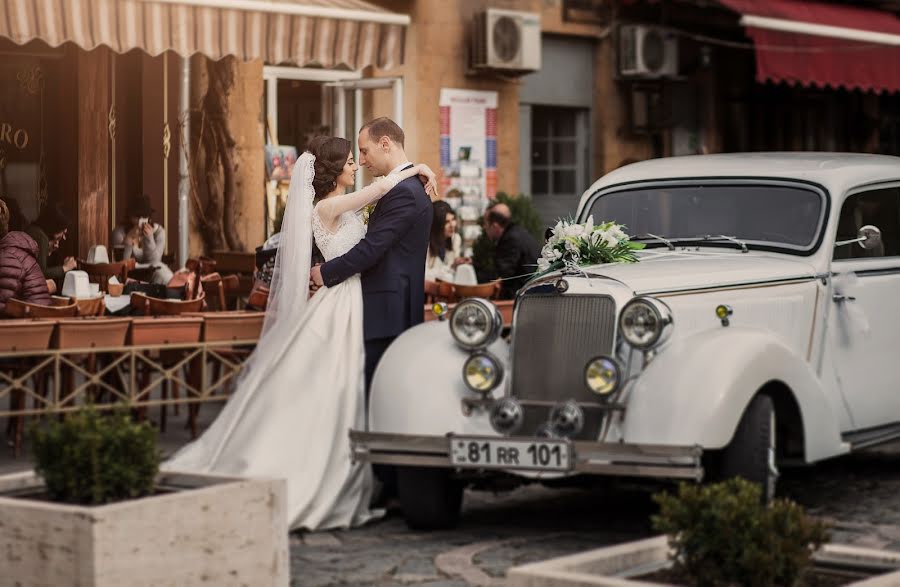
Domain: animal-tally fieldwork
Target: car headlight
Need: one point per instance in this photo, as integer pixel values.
(602, 375)
(482, 372)
(475, 323)
(645, 322)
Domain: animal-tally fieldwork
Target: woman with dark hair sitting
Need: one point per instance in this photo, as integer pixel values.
(142, 238)
(49, 230)
(20, 275)
(444, 244)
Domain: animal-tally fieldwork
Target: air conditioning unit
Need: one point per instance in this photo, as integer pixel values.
(647, 51)
(506, 40)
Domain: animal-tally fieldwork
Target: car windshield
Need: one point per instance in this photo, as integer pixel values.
(769, 215)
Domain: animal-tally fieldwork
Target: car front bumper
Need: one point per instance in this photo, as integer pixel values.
(595, 458)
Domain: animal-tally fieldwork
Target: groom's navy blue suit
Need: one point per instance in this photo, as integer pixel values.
(391, 263)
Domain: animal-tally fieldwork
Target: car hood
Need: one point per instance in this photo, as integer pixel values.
(672, 271)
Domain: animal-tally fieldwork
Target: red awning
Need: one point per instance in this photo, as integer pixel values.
(826, 45)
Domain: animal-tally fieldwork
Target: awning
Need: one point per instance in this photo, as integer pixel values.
(826, 45)
(326, 33)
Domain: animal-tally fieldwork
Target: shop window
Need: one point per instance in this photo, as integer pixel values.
(880, 208)
(555, 163)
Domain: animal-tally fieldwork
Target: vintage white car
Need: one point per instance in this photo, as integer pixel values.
(758, 329)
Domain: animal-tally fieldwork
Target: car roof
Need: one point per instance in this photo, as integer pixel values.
(837, 172)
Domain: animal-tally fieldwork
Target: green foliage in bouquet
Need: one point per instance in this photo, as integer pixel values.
(722, 535)
(93, 458)
(586, 244)
(524, 213)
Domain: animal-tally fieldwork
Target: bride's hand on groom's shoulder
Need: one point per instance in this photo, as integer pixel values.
(429, 180)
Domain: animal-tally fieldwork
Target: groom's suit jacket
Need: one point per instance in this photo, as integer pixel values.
(390, 261)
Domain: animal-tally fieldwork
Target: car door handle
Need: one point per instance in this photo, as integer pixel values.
(842, 298)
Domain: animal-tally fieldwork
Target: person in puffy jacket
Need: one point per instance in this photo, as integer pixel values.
(20, 274)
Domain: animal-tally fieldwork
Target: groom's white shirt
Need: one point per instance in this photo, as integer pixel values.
(400, 167)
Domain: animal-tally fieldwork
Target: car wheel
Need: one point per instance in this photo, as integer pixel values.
(431, 498)
(751, 452)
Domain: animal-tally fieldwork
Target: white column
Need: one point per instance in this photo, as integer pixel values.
(398, 101)
(184, 187)
(272, 106)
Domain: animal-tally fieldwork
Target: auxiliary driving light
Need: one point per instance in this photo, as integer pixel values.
(602, 375)
(566, 419)
(482, 372)
(507, 415)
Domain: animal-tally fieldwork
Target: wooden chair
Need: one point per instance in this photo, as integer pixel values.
(101, 272)
(240, 263)
(216, 288)
(19, 309)
(202, 265)
(86, 306)
(483, 290)
(439, 291)
(147, 306)
(143, 274)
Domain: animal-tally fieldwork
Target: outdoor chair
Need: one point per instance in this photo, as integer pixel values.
(148, 306)
(483, 290)
(100, 273)
(19, 309)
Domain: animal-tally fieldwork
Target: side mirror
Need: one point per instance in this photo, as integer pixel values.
(868, 237)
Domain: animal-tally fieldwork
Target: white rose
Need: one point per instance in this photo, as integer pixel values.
(617, 233)
(610, 240)
(543, 264)
(573, 230)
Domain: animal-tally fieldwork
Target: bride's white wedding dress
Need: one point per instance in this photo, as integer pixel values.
(291, 413)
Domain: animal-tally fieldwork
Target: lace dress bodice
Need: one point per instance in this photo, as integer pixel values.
(349, 231)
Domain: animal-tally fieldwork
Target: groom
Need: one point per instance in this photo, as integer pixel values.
(391, 258)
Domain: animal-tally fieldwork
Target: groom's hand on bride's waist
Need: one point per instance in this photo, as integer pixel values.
(315, 277)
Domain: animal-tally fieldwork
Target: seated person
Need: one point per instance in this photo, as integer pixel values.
(444, 245)
(48, 231)
(20, 274)
(516, 252)
(143, 239)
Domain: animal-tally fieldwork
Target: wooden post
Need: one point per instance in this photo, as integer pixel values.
(93, 149)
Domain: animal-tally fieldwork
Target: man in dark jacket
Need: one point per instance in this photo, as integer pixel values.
(20, 274)
(517, 252)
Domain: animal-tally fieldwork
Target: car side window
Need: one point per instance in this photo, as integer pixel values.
(880, 208)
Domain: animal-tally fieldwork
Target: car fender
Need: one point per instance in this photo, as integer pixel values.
(695, 390)
(418, 385)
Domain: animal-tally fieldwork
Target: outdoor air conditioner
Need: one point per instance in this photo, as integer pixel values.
(507, 40)
(647, 51)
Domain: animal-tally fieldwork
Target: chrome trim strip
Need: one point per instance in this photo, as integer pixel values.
(877, 272)
(734, 285)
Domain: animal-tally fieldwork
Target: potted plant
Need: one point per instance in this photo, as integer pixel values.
(720, 535)
(97, 511)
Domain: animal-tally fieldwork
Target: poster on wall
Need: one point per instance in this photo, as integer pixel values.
(468, 153)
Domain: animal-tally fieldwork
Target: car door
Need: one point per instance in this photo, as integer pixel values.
(864, 318)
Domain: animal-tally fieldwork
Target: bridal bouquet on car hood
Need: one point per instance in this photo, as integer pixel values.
(574, 244)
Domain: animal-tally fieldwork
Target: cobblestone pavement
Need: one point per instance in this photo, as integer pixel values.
(859, 495)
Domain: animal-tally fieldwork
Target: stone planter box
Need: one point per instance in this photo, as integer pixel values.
(200, 530)
(615, 566)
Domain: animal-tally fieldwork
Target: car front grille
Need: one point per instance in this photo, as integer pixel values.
(554, 336)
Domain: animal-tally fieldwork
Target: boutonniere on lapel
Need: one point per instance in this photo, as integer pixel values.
(367, 213)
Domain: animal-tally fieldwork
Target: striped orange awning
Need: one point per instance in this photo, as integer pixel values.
(326, 33)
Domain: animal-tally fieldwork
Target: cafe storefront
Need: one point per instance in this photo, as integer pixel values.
(99, 99)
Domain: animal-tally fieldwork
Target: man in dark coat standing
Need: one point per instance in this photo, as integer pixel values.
(391, 258)
(517, 251)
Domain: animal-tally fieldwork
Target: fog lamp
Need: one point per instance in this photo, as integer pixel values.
(482, 372)
(602, 375)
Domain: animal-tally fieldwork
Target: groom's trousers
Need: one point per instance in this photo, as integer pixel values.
(387, 474)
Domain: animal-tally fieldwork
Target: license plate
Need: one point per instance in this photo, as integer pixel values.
(499, 453)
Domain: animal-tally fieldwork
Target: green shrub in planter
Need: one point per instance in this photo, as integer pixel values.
(94, 458)
(721, 534)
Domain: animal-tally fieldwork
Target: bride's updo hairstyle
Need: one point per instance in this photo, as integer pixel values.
(331, 156)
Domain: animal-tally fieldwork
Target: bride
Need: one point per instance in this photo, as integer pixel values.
(303, 389)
